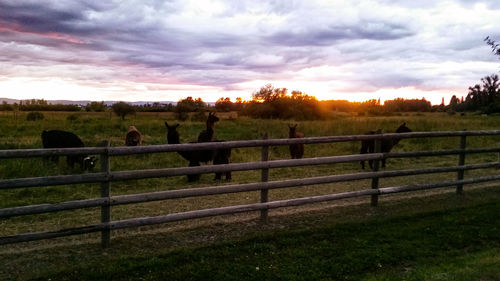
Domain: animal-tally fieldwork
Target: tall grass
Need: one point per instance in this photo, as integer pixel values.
(93, 128)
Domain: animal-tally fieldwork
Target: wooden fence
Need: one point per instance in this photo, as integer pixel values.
(106, 176)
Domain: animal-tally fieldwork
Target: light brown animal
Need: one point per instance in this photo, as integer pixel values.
(133, 137)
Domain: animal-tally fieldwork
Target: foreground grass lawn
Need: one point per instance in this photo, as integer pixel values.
(458, 244)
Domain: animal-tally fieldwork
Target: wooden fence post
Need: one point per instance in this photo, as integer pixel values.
(105, 192)
(264, 177)
(376, 163)
(461, 162)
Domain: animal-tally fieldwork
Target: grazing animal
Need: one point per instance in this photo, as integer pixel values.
(63, 139)
(368, 146)
(296, 150)
(133, 137)
(219, 156)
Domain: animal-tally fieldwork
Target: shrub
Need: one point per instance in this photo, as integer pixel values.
(72, 117)
(34, 115)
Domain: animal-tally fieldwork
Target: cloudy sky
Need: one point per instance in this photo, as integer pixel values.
(149, 50)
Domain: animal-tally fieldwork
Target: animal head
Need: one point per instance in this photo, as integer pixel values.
(292, 129)
(132, 128)
(212, 118)
(89, 163)
(403, 129)
(172, 131)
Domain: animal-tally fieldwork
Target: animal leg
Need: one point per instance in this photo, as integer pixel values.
(194, 177)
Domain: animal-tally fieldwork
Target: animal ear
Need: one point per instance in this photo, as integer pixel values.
(177, 125)
(166, 124)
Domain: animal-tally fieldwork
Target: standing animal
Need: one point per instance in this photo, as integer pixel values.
(133, 137)
(368, 146)
(296, 150)
(208, 133)
(219, 156)
(191, 156)
(207, 136)
(63, 139)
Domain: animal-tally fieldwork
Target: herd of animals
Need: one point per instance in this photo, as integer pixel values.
(64, 139)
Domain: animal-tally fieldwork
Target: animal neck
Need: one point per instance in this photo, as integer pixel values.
(173, 139)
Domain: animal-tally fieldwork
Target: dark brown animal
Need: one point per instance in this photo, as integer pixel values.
(218, 156)
(133, 137)
(368, 146)
(208, 133)
(191, 156)
(296, 150)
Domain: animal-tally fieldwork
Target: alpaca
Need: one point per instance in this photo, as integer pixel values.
(368, 146)
(133, 137)
(207, 134)
(219, 156)
(191, 156)
(63, 139)
(296, 150)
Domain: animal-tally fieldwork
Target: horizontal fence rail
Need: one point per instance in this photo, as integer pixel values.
(124, 150)
(107, 176)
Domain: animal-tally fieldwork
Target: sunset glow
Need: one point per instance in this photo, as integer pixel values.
(166, 51)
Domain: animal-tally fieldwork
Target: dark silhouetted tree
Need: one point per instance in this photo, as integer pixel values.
(123, 109)
(485, 97)
(96, 106)
(495, 47)
(224, 104)
(187, 105)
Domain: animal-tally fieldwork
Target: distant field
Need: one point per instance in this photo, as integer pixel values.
(93, 128)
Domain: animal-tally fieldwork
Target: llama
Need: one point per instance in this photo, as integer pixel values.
(368, 146)
(219, 156)
(133, 137)
(296, 150)
(191, 156)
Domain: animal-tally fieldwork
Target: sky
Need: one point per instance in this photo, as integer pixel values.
(149, 50)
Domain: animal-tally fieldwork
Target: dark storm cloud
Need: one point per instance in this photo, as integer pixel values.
(40, 17)
(333, 34)
(375, 44)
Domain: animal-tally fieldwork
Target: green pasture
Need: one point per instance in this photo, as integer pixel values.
(18, 133)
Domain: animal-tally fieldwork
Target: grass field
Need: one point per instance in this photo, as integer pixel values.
(162, 259)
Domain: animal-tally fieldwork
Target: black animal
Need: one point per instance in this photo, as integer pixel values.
(63, 139)
(219, 156)
(368, 146)
(191, 156)
(296, 150)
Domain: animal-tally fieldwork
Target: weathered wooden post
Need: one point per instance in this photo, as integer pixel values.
(461, 162)
(376, 163)
(105, 192)
(264, 177)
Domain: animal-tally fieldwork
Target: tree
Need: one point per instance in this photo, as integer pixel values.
(189, 105)
(224, 104)
(495, 48)
(454, 103)
(485, 97)
(96, 106)
(122, 109)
